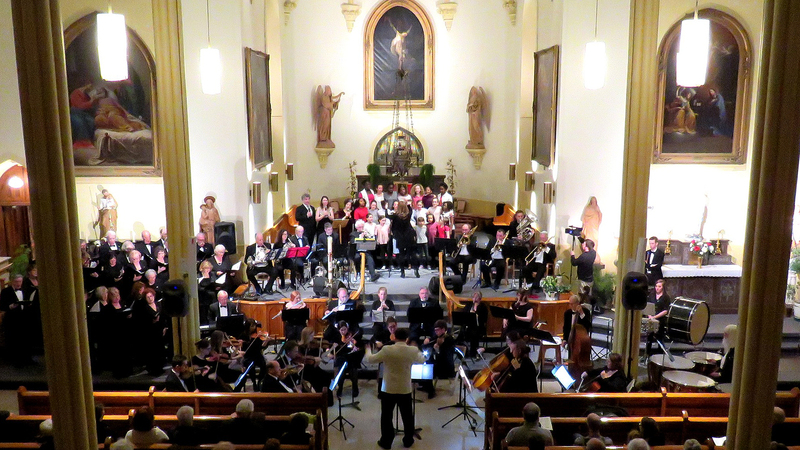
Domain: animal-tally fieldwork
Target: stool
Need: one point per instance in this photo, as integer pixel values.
(543, 348)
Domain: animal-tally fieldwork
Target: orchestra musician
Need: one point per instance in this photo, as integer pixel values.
(473, 332)
(204, 368)
(355, 255)
(226, 356)
(576, 314)
(423, 301)
(386, 335)
(523, 315)
(519, 216)
(610, 378)
(348, 348)
(543, 253)
(256, 258)
(297, 264)
(292, 329)
(381, 305)
(322, 244)
(460, 264)
(274, 379)
(496, 261)
(341, 303)
(439, 350)
(221, 308)
(653, 260)
(253, 344)
(179, 378)
(310, 370)
(283, 243)
(521, 373)
(662, 301)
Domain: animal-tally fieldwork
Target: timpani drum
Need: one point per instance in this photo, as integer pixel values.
(658, 364)
(705, 363)
(687, 320)
(681, 381)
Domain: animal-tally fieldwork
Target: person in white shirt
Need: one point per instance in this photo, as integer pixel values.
(396, 387)
(444, 196)
(144, 432)
(379, 194)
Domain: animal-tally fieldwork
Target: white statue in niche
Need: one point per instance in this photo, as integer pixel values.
(476, 107)
(326, 105)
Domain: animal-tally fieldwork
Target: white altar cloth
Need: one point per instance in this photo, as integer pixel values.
(713, 270)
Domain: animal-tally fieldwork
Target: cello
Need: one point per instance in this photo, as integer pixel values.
(580, 351)
(500, 363)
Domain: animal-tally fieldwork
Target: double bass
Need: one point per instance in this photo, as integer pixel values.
(580, 351)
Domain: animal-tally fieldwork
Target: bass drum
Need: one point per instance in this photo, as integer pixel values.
(687, 321)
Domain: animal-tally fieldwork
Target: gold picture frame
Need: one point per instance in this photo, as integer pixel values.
(118, 152)
(393, 23)
(259, 107)
(707, 124)
(545, 105)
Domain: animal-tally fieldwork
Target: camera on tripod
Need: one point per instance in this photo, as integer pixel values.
(574, 231)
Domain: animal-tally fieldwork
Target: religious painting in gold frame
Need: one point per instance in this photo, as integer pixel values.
(112, 122)
(706, 124)
(259, 107)
(545, 105)
(398, 56)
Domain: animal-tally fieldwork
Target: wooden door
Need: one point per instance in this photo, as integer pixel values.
(15, 229)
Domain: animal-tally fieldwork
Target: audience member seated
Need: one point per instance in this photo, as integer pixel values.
(144, 432)
(649, 431)
(593, 424)
(691, 444)
(597, 444)
(519, 436)
(103, 431)
(297, 434)
(241, 429)
(272, 444)
(179, 378)
(537, 442)
(185, 433)
(638, 444)
(780, 432)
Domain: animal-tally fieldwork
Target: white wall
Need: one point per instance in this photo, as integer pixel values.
(481, 49)
(591, 123)
(12, 145)
(678, 192)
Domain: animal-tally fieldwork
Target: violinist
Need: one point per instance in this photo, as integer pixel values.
(523, 314)
(473, 332)
(308, 345)
(341, 303)
(610, 378)
(348, 348)
(225, 356)
(386, 335)
(204, 369)
(274, 380)
(253, 344)
(439, 350)
(179, 378)
(310, 377)
(521, 374)
(293, 328)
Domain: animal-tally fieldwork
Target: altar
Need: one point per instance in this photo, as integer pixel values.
(716, 284)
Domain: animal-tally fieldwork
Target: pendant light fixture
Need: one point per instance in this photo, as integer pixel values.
(594, 60)
(112, 46)
(210, 63)
(692, 58)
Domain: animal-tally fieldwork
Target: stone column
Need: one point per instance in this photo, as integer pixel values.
(640, 135)
(769, 233)
(39, 45)
(171, 132)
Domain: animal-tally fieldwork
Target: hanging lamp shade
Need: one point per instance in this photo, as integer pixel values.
(112, 46)
(210, 71)
(692, 57)
(594, 65)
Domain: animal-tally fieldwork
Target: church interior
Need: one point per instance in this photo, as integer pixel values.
(231, 113)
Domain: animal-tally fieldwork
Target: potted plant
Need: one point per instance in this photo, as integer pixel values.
(603, 288)
(550, 287)
(426, 175)
(21, 260)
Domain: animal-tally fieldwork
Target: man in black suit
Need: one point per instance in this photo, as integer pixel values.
(460, 264)
(273, 381)
(497, 262)
(204, 249)
(298, 264)
(321, 255)
(221, 308)
(653, 260)
(163, 241)
(306, 216)
(175, 377)
(146, 247)
(15, 302)
(576, 314)
(424, 301)
(109, 247)
(255, 256)
(544, 254)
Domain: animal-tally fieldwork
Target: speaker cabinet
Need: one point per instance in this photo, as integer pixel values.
(634, 291)
(175, 300)
(225, 234)
(451, 282)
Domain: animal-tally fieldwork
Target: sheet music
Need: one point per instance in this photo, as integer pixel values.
(381, 316)
(546, 423)
(719, 440)
(236, 266)
(221, 279)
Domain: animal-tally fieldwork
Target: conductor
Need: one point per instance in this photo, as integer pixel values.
(398, 359)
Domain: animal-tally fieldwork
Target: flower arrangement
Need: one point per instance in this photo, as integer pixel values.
(352, 186)
(701, 248)
(550, 285)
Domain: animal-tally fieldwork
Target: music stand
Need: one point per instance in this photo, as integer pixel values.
(293, 316)
(381, 316)
(466, 410)
(480, 255)
(425, 316)
(232, 325)
(543, 336)
(448, 246)
(514, 253)
(340, 418)
(338, 224)
(351, 316)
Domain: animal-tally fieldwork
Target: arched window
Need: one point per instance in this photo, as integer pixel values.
(386, 150)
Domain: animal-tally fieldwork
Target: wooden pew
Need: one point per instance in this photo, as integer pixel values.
(38, 402)
(27, 426)
(34, 445)
(613, 447)
(716, 405)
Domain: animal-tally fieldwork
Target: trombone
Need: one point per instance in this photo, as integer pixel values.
(536, 250)
(463, 241)
(498, 246)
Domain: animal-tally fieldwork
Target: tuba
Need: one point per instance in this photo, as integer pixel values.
(526, 228)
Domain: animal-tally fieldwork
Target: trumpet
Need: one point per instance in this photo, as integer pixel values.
(538, 248)
(463, 241)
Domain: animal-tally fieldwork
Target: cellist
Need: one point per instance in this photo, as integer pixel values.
(521, 374)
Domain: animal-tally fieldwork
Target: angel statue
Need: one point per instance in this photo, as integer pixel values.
(326, 105)
(475, 107)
